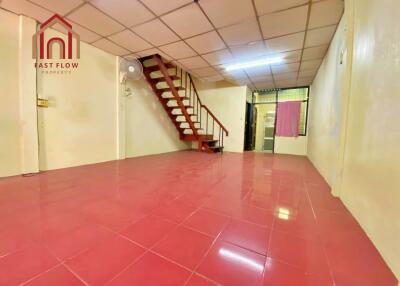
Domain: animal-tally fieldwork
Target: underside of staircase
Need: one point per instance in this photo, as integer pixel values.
(178, 95)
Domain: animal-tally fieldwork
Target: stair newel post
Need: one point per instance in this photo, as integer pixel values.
(219, 137)
(175, 93)
(222, 144)
(206, 121)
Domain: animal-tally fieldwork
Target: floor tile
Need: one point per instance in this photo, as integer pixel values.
(59, 276)
(197, 280)
(308, 255)
(231, 265)
(208, 222)
(149, 230)
(184, 246)
(247, 235)
(25, 264)
(152, 270)
(104, 261)
(281, 274)
(175, 211)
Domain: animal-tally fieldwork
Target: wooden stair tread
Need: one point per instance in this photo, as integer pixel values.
(168, 89)
(163, 79)
(157, 68)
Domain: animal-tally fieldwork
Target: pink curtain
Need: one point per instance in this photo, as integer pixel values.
(288, 119)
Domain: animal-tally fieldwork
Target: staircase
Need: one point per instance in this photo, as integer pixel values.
(178, 95)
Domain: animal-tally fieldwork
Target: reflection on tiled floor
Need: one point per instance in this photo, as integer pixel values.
(183, 218)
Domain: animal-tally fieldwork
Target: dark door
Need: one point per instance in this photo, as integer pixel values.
(248, 131)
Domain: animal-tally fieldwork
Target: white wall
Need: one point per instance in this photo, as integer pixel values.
(149, 130)
(354, 133)
(18, 142)
(10, 131)
(325, 109)
(80, 125)
(228, 104)
(291, 145)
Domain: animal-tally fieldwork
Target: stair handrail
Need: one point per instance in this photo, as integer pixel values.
(205, 107)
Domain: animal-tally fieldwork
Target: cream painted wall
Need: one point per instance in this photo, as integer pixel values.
(325, 109)
(149, 130)
(18, 128)
(80, 125)
(10, 131)
(291, 145)
(361, 160)
(371, 182)
(228, 103)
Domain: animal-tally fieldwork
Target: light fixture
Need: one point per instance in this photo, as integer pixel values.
(253, 64)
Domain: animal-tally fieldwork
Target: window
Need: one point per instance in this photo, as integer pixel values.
(290, 94)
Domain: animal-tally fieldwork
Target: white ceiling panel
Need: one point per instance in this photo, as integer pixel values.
(110, 47)
(188, 21)
(285, 68)
(127, 12)
(320, 36)
(258, 71)
(284, 23)
(265, 85)
(289, 57)
(315, 53)
(194, 63)
(285, 76)
(310, 65)
(269, 6)
(286, 43)
(249, 52)
(156, 33)
(23, 7)
(206, 43)
(209, 33)
(91, 18)
(227, 12)
(242, 33)
(205, 72)
(286, 83)
(258, 79)
(130, 41)
(61, 7)
(308, 73)
(178, 50)
(84, 34)
(219, 57)
(213, 78)
(163, 6)
(326, 13)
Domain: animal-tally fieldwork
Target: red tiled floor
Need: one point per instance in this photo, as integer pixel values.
(231, 265)
(149, 230)
(258, 208)
(306, 254)
(152, 270)
(101, 263)
(25, 264)
(281, 274)
(59, 276)
(184, 246)
(246, 235)
(206, 221)
(197, 280)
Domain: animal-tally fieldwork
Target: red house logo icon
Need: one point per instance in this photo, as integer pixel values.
(66, 50)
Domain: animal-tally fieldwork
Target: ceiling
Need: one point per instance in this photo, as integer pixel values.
(204, 37)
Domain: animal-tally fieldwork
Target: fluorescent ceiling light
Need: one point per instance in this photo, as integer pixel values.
(253, 64)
